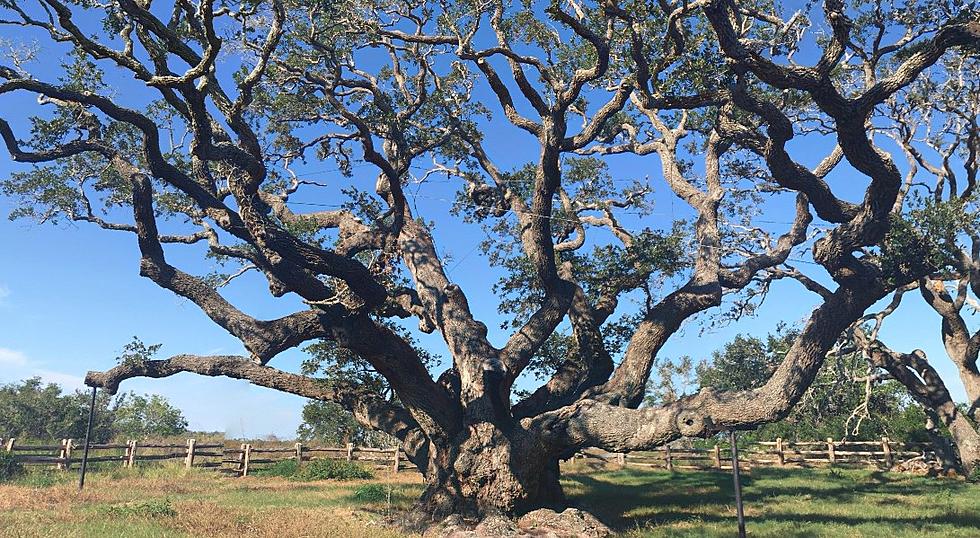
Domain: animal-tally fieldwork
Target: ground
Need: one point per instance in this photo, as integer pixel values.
(171, 502)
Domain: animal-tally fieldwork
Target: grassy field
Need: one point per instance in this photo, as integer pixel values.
(166, 502)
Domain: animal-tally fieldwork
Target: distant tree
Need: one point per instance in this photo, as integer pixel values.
(844, 400)
(31, 409)
(331, 424)
(136, 416)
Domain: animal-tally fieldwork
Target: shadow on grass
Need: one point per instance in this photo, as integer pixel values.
(628, 499)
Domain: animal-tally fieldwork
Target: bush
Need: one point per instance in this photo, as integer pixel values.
(9, 467)
(332, 470)
(372, 493)
(315, 470)
(284, 468)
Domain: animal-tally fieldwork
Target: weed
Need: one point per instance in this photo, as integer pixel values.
(155, 508)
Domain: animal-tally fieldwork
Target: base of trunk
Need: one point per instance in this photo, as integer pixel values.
(490, 473)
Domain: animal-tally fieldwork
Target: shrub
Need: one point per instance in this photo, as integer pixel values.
(372, 493)
(332, 470)
(284, 468)
(9, 467)
(315, 470)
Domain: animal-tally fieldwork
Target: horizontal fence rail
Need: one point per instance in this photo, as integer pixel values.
(240, 460)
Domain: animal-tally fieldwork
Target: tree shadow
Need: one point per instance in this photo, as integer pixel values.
(628, 499)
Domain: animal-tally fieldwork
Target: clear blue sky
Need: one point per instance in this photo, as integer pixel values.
(71, 296)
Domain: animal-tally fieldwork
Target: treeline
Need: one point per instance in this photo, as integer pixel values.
(32, 409)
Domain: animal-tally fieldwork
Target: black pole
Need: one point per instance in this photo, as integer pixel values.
(738, 486)
(88, 435)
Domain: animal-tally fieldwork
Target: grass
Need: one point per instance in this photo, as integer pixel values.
(169, 501)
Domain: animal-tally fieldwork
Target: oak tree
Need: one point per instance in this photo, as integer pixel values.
(525, 108)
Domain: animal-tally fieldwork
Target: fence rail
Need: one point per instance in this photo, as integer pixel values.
(243, 459)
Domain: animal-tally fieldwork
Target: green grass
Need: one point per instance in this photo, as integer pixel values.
(170, 501)
(779, 503)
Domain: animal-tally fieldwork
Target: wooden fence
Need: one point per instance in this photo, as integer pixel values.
(240, 460)
(232, 460)
(882, 454)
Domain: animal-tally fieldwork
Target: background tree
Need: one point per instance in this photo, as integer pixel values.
(138, 417)
(33, 410)
(705, 95)
(845, 400)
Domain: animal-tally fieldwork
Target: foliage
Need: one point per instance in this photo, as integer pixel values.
(839, 403)
(312, 470)
(281, 468)
(32, 409)
(331, 424)
(155, 508)
(372, 493)
(137, 417)
(9, 467)
(332, 470)
(926, 235)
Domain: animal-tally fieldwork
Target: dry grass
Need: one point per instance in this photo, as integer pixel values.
(171, 502)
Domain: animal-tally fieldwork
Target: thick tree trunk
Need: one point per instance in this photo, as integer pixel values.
(490, 471)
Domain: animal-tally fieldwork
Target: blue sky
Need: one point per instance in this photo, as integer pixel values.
(71, 296)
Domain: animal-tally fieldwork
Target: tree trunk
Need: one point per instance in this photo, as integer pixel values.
(489, 470)
(967, 441)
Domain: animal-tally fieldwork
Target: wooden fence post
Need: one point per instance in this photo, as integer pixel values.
(246, 458)
(831, 453)
(780, 455)
(189, 460)
(717, 456)
(61, 455)
(10, 444)
(241, 460)
(131, 459)
(668, 459)
(350, 451)
(395, 468)
(887, 449)
(299, 453)
(621, 459)
(129, 446)
(69, 447)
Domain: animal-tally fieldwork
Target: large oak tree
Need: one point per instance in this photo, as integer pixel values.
(706, 97)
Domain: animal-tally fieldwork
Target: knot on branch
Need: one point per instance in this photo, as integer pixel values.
(692, 424)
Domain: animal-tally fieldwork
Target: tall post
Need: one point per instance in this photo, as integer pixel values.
(350, 451)
(717, 456)
(780, 455)
(394, 468)
(738, 486)
(299, 453)
(668, 459)
(88, 437)
(9, 447)
(831, 452)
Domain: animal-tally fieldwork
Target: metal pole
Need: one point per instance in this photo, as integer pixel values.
(738, 486)
(88, 435)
